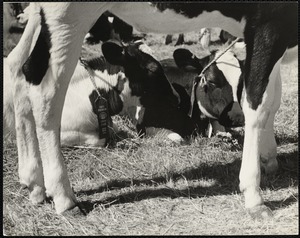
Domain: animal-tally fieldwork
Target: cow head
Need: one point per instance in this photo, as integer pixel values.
(219, 97)
(147, 80)
(145, 74)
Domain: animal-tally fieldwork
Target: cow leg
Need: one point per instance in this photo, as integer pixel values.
(259, 108)
(29, 161)
(168, 39)
(268, 149)
(47, 109)
(29, 164)
(180, 40)
(46, 98)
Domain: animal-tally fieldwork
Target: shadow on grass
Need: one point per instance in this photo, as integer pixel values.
(286, 139)
(225, 175)
(274, 205)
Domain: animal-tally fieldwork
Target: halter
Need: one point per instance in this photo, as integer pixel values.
(100, 104)
(201, 77)
(87, 68)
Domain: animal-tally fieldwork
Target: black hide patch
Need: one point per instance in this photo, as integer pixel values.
(114, 102)
(37, 63)
(102, 30)
(174, 118)
(192, 9)
(101, 64)
(267, 36)
(17, 29)
(170, 118)
(147, 78)
(123, 29)
(232, 116)
(185, 102)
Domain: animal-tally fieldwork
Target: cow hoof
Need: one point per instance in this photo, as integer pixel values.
(260, 212)
(75, 212)
(37, 194)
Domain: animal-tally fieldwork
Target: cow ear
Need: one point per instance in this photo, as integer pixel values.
(185, 59)
(113, 52)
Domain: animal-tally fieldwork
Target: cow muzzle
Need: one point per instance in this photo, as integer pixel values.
(232, 116)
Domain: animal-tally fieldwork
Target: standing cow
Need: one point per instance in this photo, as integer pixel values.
(43, 62)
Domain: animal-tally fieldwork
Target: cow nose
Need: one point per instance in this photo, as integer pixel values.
(232, 116)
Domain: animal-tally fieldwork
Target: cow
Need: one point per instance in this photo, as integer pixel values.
(180, 39)
(204, 38)
(44, 60)
(124, 86)
(79, 124)
(219, 99)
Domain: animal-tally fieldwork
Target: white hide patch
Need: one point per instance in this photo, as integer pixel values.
(79, 124)
(164, 134)
(146, 18)
(205, 38)
(230, 67)
(202, 109)
(147, 50)
(259, 139)
(239, 49)
(23, 17)
(8, 104)
(111, 19)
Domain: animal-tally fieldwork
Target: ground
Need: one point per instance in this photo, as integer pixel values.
(152, 187)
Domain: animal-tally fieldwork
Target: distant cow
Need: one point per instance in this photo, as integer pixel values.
(130, 79)
(220, 98)
(204, 38)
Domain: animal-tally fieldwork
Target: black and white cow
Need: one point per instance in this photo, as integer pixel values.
(79, 124)
(219, 99)
(43, 62)
(127, 86)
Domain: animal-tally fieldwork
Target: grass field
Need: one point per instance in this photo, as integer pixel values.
(153, 187)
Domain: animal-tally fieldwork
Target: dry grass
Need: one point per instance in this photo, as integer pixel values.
(151, 187)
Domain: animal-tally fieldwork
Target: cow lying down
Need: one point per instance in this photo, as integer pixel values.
(127, 77)
(136, 85)
(219, 98)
